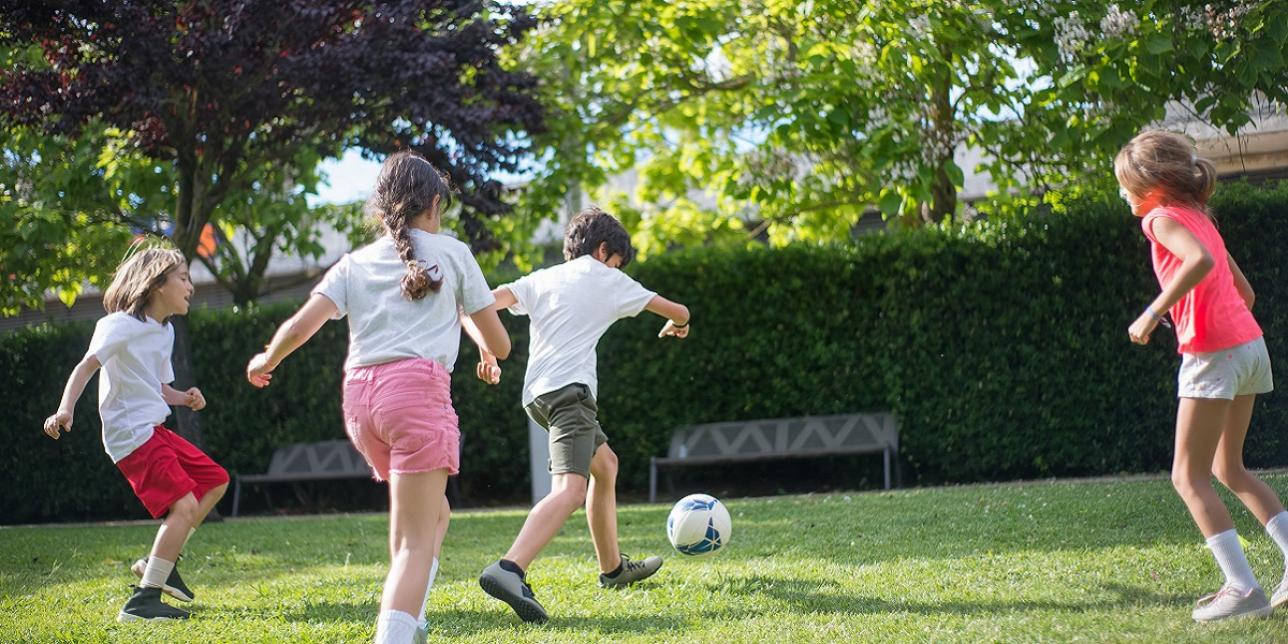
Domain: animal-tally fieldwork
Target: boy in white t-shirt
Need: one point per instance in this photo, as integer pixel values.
(170, 476)
(571, 306)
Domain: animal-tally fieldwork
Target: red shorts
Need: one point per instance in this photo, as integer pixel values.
(166, 468)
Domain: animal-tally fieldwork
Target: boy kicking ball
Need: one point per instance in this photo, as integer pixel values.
(571, 306)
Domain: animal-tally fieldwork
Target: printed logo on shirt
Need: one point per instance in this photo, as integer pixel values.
(435, 272)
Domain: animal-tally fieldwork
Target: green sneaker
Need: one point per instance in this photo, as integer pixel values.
(146, 605)
(631, 572)
(512, 589)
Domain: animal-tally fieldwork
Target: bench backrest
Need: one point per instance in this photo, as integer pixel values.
(327, 457)
(787, 436)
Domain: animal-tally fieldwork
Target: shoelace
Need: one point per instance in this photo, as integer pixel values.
(627, 564)
(1212, 599)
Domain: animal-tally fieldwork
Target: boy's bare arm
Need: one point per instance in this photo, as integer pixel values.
(71, 393)
(676, 314)
(192, 398)
(504, 297)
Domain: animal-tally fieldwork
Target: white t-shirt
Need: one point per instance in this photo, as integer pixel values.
(136, 361)
(571, 306)
(383, 324)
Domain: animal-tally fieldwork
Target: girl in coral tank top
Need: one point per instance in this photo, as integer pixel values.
(1224, 363)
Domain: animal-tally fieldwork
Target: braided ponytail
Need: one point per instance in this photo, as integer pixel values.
(408, 186)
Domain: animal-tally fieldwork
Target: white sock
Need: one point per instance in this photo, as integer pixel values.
(156, 573)
(1277, 528)
(1229, 556)
(395, 627)
(433, 572)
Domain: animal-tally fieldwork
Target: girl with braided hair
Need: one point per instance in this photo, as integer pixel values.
(407, 295)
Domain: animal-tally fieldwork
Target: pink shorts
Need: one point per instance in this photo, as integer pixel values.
(400, 417)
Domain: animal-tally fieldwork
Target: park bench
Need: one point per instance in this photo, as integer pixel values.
(758, 440)
(304, 462)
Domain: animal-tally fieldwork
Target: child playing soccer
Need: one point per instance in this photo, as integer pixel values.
(571, 305)
(407, 296)
(1224, 363)
(172, 478)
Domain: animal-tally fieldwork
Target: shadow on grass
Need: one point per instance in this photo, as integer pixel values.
(451, 621)
(806, 596)
(470, 622)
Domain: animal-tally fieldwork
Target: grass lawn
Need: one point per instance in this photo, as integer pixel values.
(1100, 561)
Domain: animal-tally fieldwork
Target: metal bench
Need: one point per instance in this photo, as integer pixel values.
(302, 462)
(758, 440)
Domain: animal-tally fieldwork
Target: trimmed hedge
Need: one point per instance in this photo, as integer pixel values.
(1002, 346)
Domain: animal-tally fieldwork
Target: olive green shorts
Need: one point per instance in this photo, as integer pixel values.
(568, 413)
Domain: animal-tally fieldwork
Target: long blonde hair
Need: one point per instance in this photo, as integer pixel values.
(1158, 159)
(144, 269)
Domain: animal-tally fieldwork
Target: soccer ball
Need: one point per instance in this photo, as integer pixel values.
(699, 525)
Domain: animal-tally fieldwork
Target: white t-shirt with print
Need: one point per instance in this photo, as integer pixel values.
(383, 324)
(135, 355)
(571, 306)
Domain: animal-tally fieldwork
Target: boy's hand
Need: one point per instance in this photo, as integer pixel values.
(671, 329)
(61, 419)
(488, 370)
(259, 372)
(196, 401)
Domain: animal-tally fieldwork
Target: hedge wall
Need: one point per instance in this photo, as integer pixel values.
(1002, 347)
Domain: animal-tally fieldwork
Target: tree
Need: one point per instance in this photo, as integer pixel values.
(802, 116)
(222, 90)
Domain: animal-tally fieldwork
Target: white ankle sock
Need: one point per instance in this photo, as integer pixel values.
(156, 573)
(395, 627)
(1229, 556)
(433, 572)
(1277, 528)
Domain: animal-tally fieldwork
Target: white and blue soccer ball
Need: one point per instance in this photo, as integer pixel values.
(699, 525)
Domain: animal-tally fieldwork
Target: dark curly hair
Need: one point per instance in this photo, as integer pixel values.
(592, 227)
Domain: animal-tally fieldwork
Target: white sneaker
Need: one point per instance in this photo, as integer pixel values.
(1281, 593)
(1230, 602)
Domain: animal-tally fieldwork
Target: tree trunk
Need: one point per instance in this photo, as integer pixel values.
(943, 192)
(186, 421)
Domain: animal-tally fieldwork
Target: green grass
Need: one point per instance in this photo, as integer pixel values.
(1101, 561)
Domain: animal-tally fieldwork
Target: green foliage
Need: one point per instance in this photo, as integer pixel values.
(957, 564)
(800, 116)
(1001, 345)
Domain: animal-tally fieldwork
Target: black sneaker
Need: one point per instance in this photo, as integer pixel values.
(145, 604)
(511, 588)
(631, 572)
(174, 585)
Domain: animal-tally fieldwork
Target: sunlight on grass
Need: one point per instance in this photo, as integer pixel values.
(1101, 561)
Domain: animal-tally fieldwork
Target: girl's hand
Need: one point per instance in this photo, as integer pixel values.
(672, 330)
(1143, 326)
(61, 419)
(260, 371)
(196, 401)
(488, 370)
